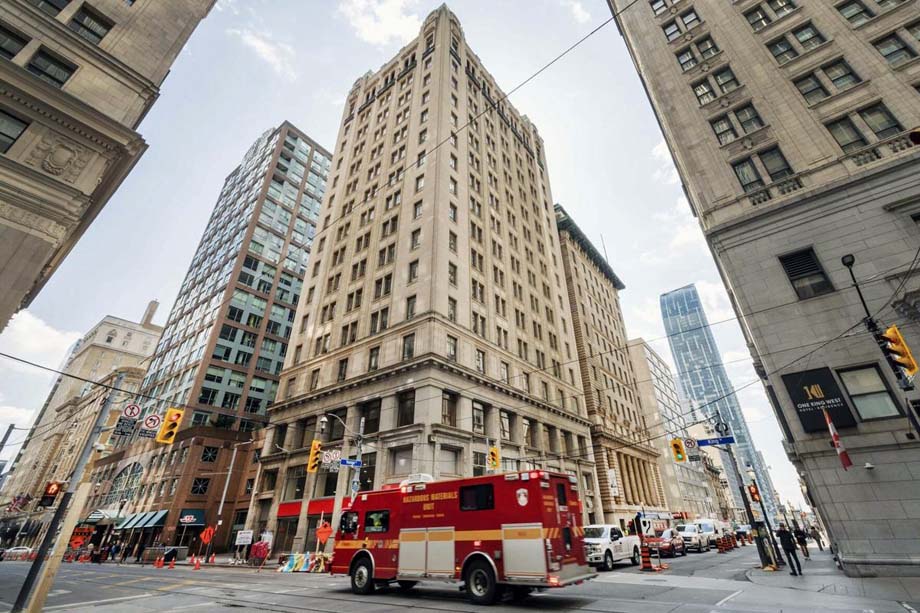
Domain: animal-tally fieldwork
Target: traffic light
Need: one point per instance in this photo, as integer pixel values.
(50, 494)
(170, 426)
(316, 451)
(495, 458)
(897, 349)
(677, 448)
(754, 492)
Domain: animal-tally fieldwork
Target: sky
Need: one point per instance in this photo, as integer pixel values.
(251, 64)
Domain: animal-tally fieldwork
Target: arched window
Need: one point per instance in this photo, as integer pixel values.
(125, 483)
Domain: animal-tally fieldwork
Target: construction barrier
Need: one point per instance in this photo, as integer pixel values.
(305, 563)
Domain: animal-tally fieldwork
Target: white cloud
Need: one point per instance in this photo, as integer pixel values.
(666, 170)
(715, 301)
(680, 231)
(380, 21)
(32, 339)
(279, 55)
(579, 13)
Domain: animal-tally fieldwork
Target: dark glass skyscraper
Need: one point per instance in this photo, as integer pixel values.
(704, 382)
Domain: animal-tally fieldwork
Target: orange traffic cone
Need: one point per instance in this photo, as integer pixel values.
(646, 559)
(159, 562)
(172, 564)
(193, 558)
(213, 558)
(197, 564)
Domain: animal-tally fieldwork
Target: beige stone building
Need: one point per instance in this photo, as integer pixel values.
(76, 79)
(434, 307)
(787, 121)
(687, 490)
(113, 347)
(626, 460)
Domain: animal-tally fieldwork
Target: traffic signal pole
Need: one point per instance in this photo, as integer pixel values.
(41, 572)
(765, 559)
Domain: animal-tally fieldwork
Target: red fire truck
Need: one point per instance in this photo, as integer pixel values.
(517, 531)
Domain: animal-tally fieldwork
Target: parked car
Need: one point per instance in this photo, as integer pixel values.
(708, 530)
(693, 537)
(667, 543)
(17, 553)
(605, 544)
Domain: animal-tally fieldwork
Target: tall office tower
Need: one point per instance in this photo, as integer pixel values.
(626, 461)
(224, 343)
(707, 386)
(787, 122)
(76, 80)
(113, 347)
(686, 488)
(435, 305)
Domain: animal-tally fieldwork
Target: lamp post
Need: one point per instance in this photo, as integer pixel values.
(762, 551)
(223, 497)
(766, 519)
(356, 477)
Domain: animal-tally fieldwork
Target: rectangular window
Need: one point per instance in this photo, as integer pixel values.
(775, 163)
(410, 307)
(782, 50)
(758, 18)
(781, 7)
(869, 394)
(806, 274)
(373, 358)
(200, 486)
(841, 75)
(690, 19)
(811, 89)
(846, 134)
(209, 454)
(704, 92)
(808, 36)
(408, 347)
(855, 12)
(504, 420)
(51, 7)
(343, 370)
(11, 128)
(405, 414)
(748, 175)
(452, 348)
(51, 69)
(686, 59)
(726, 80)
(749, 119)
(658, 6)
(10, 43)
(480, 361)
(894, 50)
(376, 521)
(707, 47)
(881, 121)
(671, 30)
(479, 418)
(477, 497)
(724, 129)
(449, 409)
(90, 25)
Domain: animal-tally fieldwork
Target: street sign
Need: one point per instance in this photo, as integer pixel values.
(124, 427)
(207, 534)
(323, 533)
(354, 488)
(132, 411)
(152, 422)
(722, 440)
(689, 443)
(692, 448)
(352, 463)
(147, 433)
(244, 537)
(332, 456)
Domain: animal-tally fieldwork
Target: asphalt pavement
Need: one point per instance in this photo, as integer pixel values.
(697, 583)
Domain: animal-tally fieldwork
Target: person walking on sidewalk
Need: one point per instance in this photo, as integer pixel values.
(787, 542)
(801, 537)
(816, 535)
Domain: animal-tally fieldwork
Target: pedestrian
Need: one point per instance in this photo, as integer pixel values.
(115, 549)
(816, 535)
(787, 542)
(125, 552)
(140, 554)
(801, 537)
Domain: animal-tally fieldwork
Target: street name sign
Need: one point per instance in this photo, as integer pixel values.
(352, 463)
(722, 440)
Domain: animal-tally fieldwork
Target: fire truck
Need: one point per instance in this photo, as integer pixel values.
(515, 532)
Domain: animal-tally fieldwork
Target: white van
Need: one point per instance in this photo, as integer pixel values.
(693, 539)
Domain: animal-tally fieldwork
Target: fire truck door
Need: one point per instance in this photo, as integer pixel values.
(440, 561)
(412, 545)
(524, 552)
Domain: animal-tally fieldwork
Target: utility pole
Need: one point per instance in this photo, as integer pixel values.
(356, 477)
(223, 496)
(40, 571)
(761, 551)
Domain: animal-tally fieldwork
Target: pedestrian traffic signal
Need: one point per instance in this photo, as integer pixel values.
(495, 458)
(316, 452)
(167, 432)
(896, 348)
(50, 494)
(754, 492)
(677, 448)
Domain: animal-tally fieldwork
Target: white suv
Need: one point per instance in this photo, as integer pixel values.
(693, 537)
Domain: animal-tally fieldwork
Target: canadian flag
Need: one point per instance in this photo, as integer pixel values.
(841, 451)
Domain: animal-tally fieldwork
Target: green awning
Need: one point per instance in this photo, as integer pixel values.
(191, 517)
(139, 519)
(127, 521)
(156, 519)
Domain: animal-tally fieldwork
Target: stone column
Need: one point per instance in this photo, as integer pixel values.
(626, 494)
(635, 488)
(643, 481)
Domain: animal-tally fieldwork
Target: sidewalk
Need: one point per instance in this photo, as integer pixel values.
(820, 574)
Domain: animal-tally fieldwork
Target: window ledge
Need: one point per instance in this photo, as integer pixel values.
(724, 101)
(879, 16)
(695, 71)
(772, 26)
(808, 54)
(747, 135)
(823, 102)
(688, 36)
(904, 65)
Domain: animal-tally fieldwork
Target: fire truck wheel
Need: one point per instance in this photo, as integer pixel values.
(480, 583)
(362, 577)
(634, 560)
(608, 561)
(405, 586)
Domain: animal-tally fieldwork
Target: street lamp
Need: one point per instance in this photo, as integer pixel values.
(359, 436)
(766, 518)
(223, 496)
